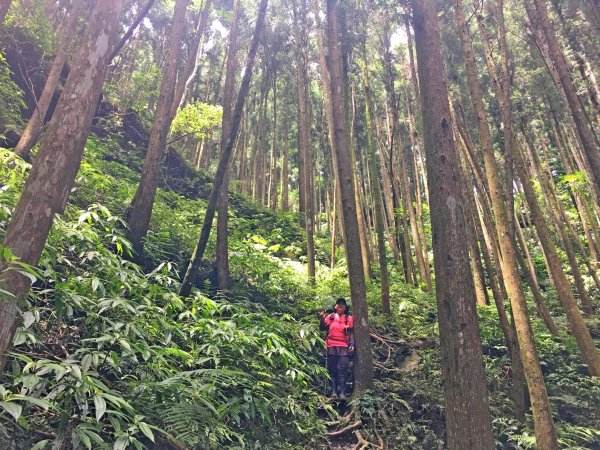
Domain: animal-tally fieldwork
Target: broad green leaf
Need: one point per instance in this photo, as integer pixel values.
(14, 409)
(121, 442)
(100, 405)
(76, 372)
(144, 428)
(44, 404)
(84, 438)
(40, 445)
(28, 319)
(20, 337)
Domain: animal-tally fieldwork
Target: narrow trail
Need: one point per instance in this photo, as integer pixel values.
(393, 357)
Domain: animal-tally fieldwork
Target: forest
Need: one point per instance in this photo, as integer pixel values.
(299, 224)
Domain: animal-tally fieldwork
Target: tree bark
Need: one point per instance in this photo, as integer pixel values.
(582, 126)
(273, 169)
(578, 326)
(4, 7)
(543, 423)
(53, 173)
(468, 422)
(529, 270)
(415, 145)
(412, 220)
(593, 13)
(502, 88)
(304, 145)
(376, 193)
(189, 71)
(142, 13)
(326, 89)
(363, 369)
(562, 224)
(285, 198)
(222, 264)
(34, 126)
(140, 208)
(192, 270)
(484, 228)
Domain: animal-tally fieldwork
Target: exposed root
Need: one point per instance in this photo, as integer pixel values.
(380, 439)
(363, 443)
(387, 369)
(347, 428)
(388, 341)
(342, 420)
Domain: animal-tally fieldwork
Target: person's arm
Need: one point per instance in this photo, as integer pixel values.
(322, 325)
(325, 320)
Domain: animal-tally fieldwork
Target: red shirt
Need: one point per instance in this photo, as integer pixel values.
(338, 335)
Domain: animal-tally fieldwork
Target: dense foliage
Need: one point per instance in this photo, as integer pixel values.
(110, 353)
(107, 355)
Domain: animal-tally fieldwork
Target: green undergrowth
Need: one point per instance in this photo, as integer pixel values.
(109, 354)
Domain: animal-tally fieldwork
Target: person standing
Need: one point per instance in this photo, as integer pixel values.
(339, 344)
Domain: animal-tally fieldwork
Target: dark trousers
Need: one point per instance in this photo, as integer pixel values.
(338, 361)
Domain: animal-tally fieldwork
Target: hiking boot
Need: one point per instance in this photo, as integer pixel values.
(342, 388)
(334, 388)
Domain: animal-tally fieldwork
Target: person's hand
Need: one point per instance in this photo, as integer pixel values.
(351, 347)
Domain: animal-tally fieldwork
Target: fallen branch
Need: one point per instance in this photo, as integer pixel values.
(350, 427)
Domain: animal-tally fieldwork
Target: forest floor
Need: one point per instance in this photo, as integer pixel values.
(111, 343)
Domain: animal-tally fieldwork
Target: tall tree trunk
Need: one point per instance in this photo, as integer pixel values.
(222, 264)
(365, 248)
(285, 199)
(581, 60)
(412, 220)
(4, 7)
(484, 228)
(273, 169)
(417, 97)
(187, 76)
(376, 193)
(561, 222)
(53, 173)
(304, 145)
(529, 270)
(468, 422)
(140, 208)
(414, 141)
(363, 369)
(192, 270)
(578, 326)
(326, 89)
(582, 126)
(593, 12)
(502, 88)
(396, 144)
(481, 293)
(543, 423)
(34, 126)
(142, 13)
